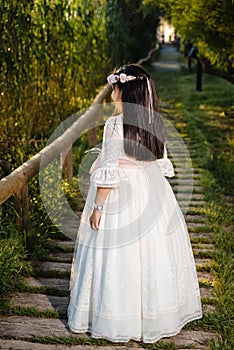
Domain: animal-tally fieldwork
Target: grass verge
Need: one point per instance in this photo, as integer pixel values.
(202, 118)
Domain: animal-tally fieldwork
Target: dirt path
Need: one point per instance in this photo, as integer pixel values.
(44, 323)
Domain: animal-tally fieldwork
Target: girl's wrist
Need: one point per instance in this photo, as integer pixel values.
(98, 207)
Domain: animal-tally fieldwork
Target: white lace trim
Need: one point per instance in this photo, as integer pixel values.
(109, 177)
(188, 319)
(166, 167)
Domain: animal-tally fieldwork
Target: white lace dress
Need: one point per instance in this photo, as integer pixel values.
(134, 278)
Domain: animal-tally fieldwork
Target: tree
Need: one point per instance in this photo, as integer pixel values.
(210, 24)
(131, 27)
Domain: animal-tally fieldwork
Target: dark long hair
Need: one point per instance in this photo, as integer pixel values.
(144, 132)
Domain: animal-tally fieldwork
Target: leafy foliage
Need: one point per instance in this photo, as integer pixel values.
(116, 32)
(209, 24)
(52, 59)
(131, 28)
(12, 263)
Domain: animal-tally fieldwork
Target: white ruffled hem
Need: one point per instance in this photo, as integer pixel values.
(119, 339)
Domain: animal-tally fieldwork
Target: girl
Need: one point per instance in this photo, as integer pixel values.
(133, 272)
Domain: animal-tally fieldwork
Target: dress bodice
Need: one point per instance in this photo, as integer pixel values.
(109, 168)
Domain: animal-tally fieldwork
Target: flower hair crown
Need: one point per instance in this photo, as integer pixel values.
(123, 78)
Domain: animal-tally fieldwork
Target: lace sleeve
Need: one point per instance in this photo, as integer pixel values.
(166, 165)
(105, 172)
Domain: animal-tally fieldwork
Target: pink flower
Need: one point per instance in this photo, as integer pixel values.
(123, 77)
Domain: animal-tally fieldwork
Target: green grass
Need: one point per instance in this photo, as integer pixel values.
(72, 340)
(203, 255)
(44, 290)
(81, 340)
(202, 239)
(34, 312)
(206, 284)
(202, 118)
(199, 229)
(166, 346)
(203, 268)
(51, 274)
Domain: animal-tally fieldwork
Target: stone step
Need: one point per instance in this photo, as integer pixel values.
(63, 284)
(21, 328)
(198, 218)
(195, 196)
(203, 262)
(71, 244)
(196, 225)
(185, 182)
(203, 249)
(182, 188)
(204, 253)
(42, 302)
(181, 163)
(24, 345)
(25, 327)
(186, 157)
(188, 204)
(179, 151)
(206, 293)
(61, 256)
(205, 276)
(229, 199)
(61, 244)
(197, 235)
(188, 170)
(66, 267)
(207, 309)
(58, 267)
(60, 283)
(186, 173)
(195, 210)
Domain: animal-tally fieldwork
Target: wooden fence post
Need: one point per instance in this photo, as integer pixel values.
(92, 137)
(21, 200)
(68, 165)
(92, 133)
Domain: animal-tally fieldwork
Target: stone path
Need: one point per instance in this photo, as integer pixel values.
(22, 332)
(50, 285)
(168, 60)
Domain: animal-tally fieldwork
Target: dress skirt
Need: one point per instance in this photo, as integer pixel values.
(134, 278)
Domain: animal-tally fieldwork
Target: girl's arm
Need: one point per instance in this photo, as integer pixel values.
(101, 196)
(107, 174)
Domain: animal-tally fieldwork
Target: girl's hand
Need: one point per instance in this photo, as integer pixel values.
(95, 219)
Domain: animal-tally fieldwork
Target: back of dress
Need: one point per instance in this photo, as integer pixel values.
(134, 278)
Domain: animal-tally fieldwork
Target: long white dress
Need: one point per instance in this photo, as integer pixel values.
(134, 278)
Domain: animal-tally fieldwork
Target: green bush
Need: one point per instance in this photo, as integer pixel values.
(13, 264)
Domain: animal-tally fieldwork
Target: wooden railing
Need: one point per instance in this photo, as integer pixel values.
(16, 183)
